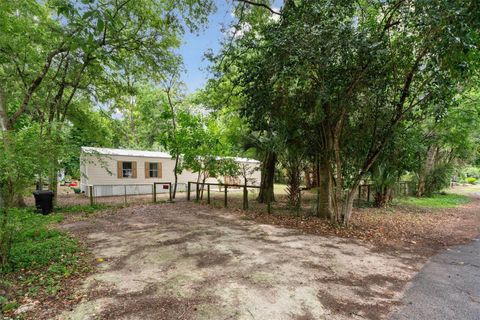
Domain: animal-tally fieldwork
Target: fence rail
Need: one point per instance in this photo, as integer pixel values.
(165, 185)
(309, 199)
(131, 192)
(225, 187)
(227, 195)
(366, 191)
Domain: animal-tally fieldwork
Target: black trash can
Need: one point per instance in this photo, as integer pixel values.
(44, 201)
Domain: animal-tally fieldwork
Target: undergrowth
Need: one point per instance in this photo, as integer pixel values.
(446, 200)
(40, 258)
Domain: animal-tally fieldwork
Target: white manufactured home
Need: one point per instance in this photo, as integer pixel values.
(111, 171)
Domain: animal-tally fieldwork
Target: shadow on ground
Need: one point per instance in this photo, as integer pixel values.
(185, 261)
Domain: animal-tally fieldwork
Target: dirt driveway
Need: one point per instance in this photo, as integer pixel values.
(187, 261)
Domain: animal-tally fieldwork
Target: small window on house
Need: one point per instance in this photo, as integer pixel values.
(127, 169)
(153, 170)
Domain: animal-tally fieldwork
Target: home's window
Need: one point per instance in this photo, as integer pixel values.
(127, 169)
(153, 170)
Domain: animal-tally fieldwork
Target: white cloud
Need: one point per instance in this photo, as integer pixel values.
(239, 31)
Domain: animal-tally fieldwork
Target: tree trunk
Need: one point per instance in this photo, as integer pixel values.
(338, 212)
(267, 179)
(425, 171)
(324, 208)
(294, 180)
(347, 206)
(53, 180)
(203, 187)
(175, 174)
(4, 124)
(5, 237)
(20, 202)
(382, 197)
(174, 128)
(390, 194)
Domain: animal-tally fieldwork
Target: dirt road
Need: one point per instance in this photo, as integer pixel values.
(187, 261)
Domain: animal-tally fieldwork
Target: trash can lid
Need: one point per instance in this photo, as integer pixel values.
(43, 192)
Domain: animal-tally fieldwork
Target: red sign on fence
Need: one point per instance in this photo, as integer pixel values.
(165, 186)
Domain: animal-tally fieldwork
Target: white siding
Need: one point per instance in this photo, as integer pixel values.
(102, 170)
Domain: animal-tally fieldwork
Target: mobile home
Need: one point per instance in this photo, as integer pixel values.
(115, 169)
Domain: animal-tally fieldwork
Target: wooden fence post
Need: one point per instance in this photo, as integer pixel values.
(154, 193)
(197, 196)
(226, 195)
(90, 191)
(188, 191)
(170, 191)
(125, 193)
(208, 193)
(245, 198)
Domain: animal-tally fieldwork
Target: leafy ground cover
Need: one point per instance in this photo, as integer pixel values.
(79, 208)
(44, 263)
(443, 200)
(424, 225)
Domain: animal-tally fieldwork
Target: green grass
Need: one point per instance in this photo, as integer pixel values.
(81, 208)
(448, 200)
(40, 258)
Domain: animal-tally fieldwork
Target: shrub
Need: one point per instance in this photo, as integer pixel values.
(473, 172)
(33, 243)
(39, 261)
(438, 179)
(471, 180)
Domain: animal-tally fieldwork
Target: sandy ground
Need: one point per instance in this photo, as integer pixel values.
(187, 261)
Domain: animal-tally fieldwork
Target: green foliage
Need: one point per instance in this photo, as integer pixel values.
(60, 59)
(86, 128)
(438, 179)
(469, 172)
(349, 80)
(8, 305)
(436, 201)
(35, 244)
(81, 208)
(471, 180)
(40, 258)
(21, 157)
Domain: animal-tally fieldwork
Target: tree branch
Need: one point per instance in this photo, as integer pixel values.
(3, 112)
(263, 5)
(34, 85)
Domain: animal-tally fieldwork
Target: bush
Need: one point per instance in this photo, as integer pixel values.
(468, 172)
(438, 179)
(40, 261)
(471, 180)
(33, 244)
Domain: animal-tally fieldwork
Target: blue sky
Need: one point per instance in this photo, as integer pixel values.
(194, 46)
